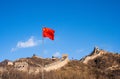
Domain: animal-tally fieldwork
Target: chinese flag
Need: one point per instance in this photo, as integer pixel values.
(47, 32)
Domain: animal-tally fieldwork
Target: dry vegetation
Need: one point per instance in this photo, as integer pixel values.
(75, 69)
(34, 61)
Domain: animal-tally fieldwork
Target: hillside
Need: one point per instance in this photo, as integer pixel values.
(99, 64)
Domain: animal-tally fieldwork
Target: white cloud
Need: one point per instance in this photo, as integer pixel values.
(31, 42)
(57, 54)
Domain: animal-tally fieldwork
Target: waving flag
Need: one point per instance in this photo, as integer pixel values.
(47, 32)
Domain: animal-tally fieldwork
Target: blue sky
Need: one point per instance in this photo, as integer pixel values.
(79, 26)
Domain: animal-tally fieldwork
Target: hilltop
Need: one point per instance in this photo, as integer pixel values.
(99, 64)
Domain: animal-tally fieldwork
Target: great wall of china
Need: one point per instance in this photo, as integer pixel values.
(96, 53)
(57, 64)
(23, 66)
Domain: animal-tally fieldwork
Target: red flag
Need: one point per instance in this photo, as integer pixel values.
(47, 32)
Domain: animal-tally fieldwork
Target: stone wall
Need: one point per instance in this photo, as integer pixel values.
(22, 66)
(88, 58)
(57, 64)
(34, 70)
(2, 69)
(97, 52)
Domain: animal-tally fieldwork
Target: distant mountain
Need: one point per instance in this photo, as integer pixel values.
(99, 64)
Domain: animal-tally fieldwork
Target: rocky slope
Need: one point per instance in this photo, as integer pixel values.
(99, 64)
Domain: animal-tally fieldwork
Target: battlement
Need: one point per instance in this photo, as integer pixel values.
(23, 66)
(56, 65)
(96, 52)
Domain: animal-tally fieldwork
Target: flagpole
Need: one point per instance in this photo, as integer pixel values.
(43, 53)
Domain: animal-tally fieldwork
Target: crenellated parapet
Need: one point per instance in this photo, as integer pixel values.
(96, 52)
(23, 66)
(56, 65)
